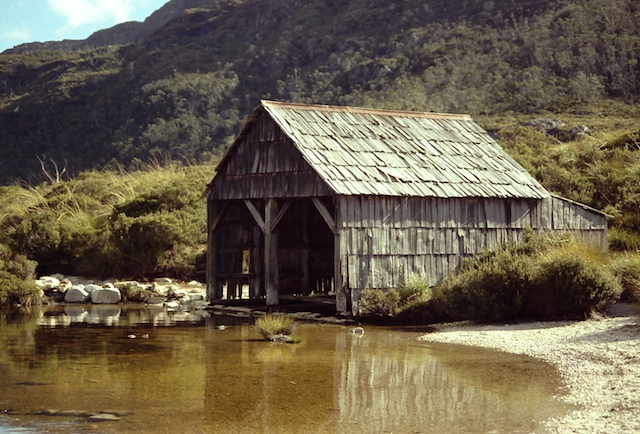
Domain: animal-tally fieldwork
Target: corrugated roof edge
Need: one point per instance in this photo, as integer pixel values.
(362, 110)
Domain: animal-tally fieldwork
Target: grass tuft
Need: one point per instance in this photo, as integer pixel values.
(276, 327)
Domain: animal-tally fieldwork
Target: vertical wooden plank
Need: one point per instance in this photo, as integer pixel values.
(213, 290)
(340, 259)
(256, 288)
(306, 288)
(272, 275)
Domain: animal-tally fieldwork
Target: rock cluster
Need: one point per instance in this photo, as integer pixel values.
(555, 128)
(71, 289)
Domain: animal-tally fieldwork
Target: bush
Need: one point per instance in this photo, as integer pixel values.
(559, 279)
(491, 288)
(570, 285)
(621, 240)
(15, 291)
(626, 267)
(16, 279)
(376, 302)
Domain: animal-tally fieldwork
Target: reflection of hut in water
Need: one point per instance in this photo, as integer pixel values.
(321, 198)
(450, 389)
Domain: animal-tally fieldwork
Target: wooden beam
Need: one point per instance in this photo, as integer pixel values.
(277, 219)
(271, 272)
(214, 224)
(306, 290)
(340, 271)
(256, 215)
(326, 215)
(214, 290)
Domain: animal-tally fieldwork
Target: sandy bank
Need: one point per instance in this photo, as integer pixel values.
(599, 360)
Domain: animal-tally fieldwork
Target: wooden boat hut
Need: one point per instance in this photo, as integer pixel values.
(314, 198)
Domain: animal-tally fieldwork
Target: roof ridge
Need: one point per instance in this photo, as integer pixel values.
(363, 110)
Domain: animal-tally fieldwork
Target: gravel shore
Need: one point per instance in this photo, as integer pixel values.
(599, 360)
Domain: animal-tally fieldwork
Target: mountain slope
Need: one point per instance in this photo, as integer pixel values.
(181, 89)
(127, 33)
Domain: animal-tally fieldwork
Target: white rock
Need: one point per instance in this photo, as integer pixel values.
(128, 284)
(105, 296)
(172, 305)
(163, 281)
(91, 287)
(156, 299)
(48, 282)
(76, 294)
(180, 294)
(161, 289)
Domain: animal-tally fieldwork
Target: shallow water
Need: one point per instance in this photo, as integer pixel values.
(189, 376)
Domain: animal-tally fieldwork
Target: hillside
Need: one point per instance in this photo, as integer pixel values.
(178, 85)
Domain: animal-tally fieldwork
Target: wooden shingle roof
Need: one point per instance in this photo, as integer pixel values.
(359, 151)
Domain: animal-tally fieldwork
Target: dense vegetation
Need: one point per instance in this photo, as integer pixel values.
(105, 224)
(545, 277)
(182, 90)
(80, 126)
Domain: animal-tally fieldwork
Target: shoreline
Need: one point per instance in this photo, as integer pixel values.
(598, 359)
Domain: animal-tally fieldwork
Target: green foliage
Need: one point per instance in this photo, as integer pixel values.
(602, 175)
(183, 89)
(570, 285)
(115, 224)
(558, 278)
(376, 302)
(271, 325)
(412, 295)
(16, 279)
(491, 286)
(626, 266)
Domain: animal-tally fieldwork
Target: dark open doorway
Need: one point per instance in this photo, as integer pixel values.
(304, 249)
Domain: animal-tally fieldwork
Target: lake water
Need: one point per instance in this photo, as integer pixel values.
(188, 376)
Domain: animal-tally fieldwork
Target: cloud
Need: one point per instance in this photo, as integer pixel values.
(15, 33)
(77, 13)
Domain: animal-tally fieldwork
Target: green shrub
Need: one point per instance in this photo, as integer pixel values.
(376, 302)
(59, 243)
(271, 325)
(155, 244)
(16, 279)
(621, 240)
(561, 278)
(626, 266)
(412, 290)
(570, 285)
(491, 288)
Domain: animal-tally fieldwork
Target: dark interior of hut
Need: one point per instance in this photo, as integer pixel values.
(305, 250)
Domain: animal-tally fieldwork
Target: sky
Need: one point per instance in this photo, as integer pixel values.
(54, 20)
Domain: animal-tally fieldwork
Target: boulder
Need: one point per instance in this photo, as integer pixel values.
(91, 287)
(76, 294)
(156, 299)
(54, 294)
(543, 124)
(47, 282)
(105, 296)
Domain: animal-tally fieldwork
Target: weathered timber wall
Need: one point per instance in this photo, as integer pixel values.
(386, 240)
(266, 164)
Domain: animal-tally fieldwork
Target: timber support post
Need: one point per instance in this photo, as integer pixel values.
(271, 273)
